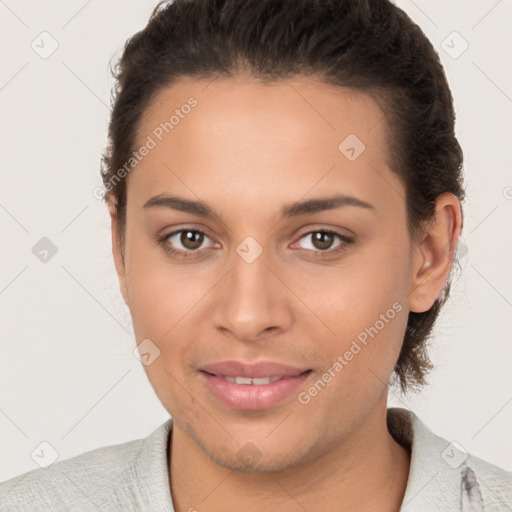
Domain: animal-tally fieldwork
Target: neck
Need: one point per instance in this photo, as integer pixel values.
(366, 471)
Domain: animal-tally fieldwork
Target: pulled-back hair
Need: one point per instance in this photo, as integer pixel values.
(368, 45)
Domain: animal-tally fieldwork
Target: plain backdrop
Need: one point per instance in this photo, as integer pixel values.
(68, 375)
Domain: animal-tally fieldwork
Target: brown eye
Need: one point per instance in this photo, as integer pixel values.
(191, 239)
(183, 242)
(322, 240)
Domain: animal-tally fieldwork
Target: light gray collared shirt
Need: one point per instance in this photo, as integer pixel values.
(134, 476)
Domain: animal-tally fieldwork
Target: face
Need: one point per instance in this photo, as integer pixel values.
(315, 293)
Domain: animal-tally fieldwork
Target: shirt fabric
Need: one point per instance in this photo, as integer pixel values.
(134, 476)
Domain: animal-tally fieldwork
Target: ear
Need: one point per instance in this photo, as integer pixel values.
(117, 247)
(434, 253)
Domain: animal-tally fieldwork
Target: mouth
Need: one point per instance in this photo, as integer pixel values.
(252, 387)
(248, 381)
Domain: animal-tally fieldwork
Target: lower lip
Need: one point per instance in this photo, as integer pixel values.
(250, 396)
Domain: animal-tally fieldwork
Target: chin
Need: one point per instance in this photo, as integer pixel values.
(244, 464)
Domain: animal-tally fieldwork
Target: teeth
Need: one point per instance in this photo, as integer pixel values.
(249, 381)
(265, 380)
(243, 380)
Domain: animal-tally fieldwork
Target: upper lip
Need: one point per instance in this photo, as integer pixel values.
(252, 370)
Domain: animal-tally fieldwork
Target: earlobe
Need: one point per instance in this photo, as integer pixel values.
(117, 247)
(434, 253)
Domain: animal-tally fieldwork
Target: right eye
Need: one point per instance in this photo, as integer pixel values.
(190, 239)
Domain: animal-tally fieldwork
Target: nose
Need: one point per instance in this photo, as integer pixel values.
(253, 302)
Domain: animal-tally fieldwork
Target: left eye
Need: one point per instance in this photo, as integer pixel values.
(322, 240)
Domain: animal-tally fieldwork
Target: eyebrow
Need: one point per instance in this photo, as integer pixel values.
(307, 207)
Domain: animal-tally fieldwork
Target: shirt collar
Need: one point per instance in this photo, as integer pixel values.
(433, 484)
(151, 471)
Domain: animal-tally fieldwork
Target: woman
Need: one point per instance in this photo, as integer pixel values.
(284, 186)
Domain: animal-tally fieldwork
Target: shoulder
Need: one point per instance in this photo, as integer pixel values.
(443, 472)
(92, 481)
(70, 480)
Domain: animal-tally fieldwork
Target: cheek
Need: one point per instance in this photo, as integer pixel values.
(363, 313)
(167, 307)
(360, 348)
(161, 298)
(352, 295)
(365, 330)
(160, 293)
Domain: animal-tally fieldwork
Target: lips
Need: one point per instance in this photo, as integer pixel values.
(263, 369)
(252, 386)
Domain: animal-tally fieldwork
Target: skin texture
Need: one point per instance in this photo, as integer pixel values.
(248, 149)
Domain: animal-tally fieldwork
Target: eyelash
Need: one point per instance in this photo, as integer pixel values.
(317, 254)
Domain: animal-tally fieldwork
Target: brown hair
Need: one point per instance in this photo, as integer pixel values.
(369, 45)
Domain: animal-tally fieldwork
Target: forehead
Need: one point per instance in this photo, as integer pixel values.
(300, 109)
(238, 135)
